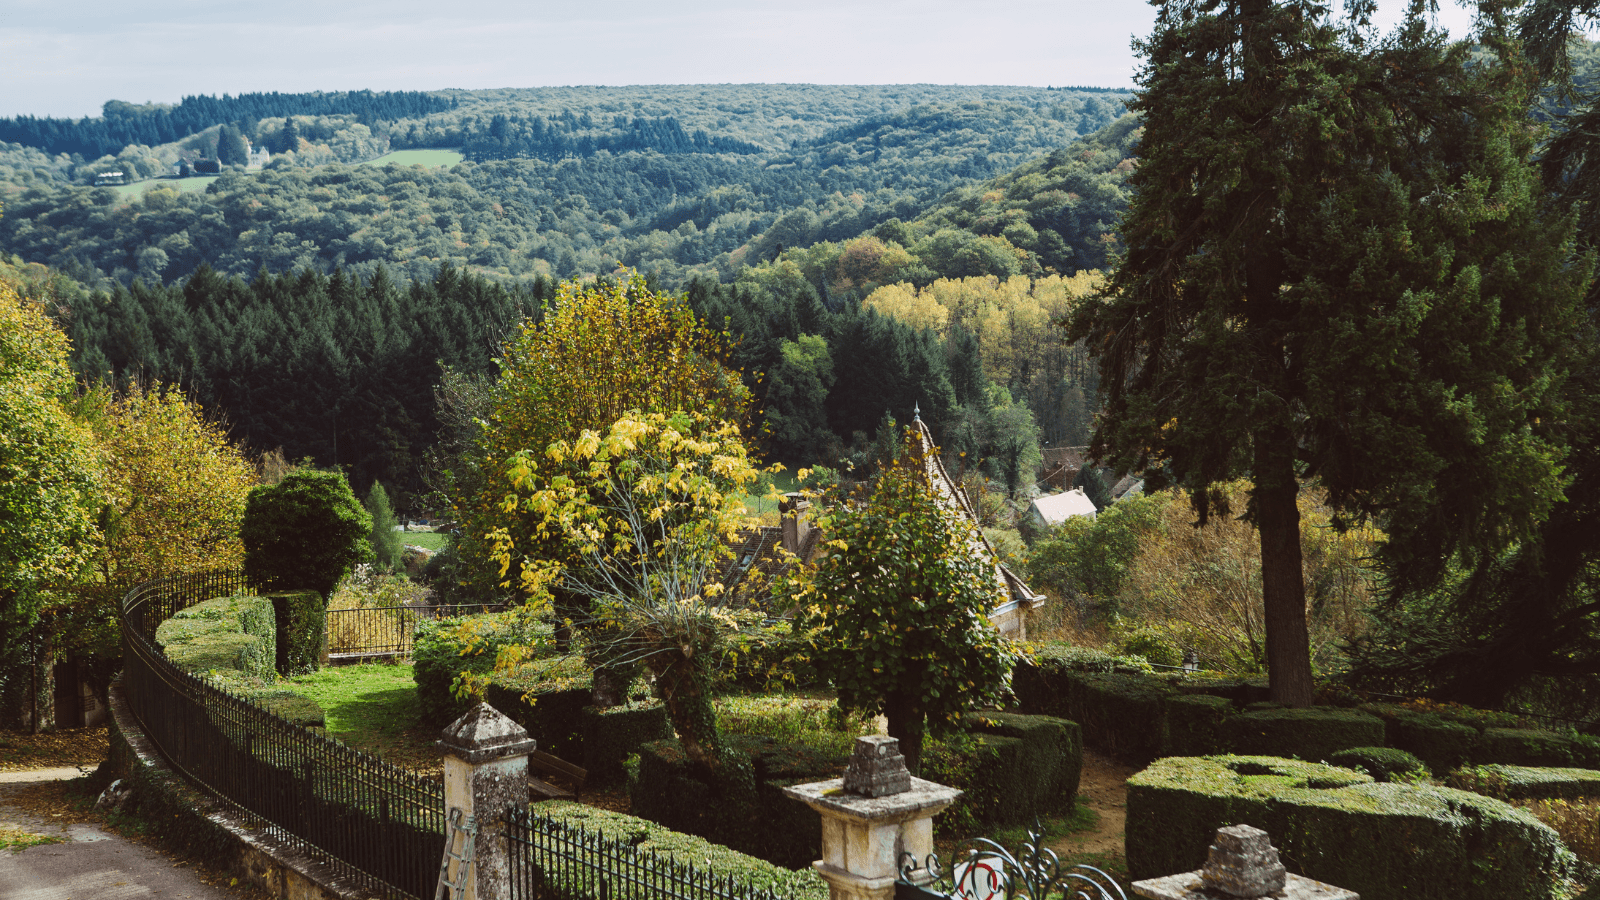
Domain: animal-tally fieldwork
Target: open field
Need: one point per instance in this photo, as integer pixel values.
(433, 540)
(191, 185)
(428, 159)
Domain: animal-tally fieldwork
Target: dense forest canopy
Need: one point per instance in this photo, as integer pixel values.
(678, 182)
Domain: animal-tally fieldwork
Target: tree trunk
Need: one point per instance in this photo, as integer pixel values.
(906, 724)
(685, 692)
(1282, 580)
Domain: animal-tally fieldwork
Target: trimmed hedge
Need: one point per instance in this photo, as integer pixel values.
(1525, 747)
(302, 619)
(1384, 764)
(769, 657)
(1383, 841)
(1120, 714)
(1195, 725)
(1313, 733)
(1526, 783)
(745, 809)
(1441, 744)
(610, 736)
(649, 837)
(547, 698)
(226, 633)
(1028, 767)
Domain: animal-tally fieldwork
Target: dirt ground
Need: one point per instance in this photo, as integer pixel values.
(1104, 783)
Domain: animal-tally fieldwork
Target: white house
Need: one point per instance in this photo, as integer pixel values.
(1053, 509)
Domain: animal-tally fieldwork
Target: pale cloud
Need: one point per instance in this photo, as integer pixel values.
(67, 59)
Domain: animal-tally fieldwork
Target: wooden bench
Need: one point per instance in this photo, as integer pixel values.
(553, 767)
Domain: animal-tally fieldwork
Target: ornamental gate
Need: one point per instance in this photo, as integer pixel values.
(987, 871)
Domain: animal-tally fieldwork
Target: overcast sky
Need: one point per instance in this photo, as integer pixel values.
(66, 59)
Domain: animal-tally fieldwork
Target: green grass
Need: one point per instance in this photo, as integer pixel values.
(373, 707)
(433, 540)
(193, 185)
(426, 158)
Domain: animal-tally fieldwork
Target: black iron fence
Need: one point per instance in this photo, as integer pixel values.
(387, 630)
(378, 825)
(551, 860)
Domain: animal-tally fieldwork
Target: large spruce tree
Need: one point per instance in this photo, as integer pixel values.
(1339, 267)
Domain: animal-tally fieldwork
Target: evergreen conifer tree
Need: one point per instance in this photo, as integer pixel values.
(387, 543)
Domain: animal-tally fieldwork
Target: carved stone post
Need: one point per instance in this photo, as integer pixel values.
(872, 815)
(485, 771)
(1242, 863)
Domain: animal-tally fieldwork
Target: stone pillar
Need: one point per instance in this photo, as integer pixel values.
(485, 771)
(1242, 863)
(872, 815)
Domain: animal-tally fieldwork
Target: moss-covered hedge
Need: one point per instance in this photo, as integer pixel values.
(649, 837)
(302, 619)
(1122, 714)
(1383, 841)
(235, 633)
(1528, 783)
(1314, 733)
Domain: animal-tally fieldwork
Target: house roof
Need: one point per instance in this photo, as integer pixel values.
(1057, 508)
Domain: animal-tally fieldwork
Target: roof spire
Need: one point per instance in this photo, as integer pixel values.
(916, 412)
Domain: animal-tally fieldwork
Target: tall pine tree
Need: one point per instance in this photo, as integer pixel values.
(1338, 267)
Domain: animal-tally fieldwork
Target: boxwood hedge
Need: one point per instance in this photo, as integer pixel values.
(1383, 841)
(228, 633)
(650, 837)
(1313, 733)
(1528, 783)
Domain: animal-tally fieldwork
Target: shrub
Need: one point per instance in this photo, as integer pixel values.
(547, 698)
(301, 620)
(1384, 764)
(1441, 744)
(769, 657)
(1196, 725)
(1154, 647)
(1383, 841)
(610, 736)
(1123, 715)
(445, 648)
(1312, 733)
(227, 633)
(1578, 823)
(1524, 783)
(1525, 747)
(306, 531)
(279, 699)
(649, 837)
(743, 805)
(1013, 769)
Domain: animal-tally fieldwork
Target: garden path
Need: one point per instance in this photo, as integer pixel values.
(1105, 783)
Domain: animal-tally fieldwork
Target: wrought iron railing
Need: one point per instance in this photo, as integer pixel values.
(551, 860)
(387, 630)
(378, 825)
(988, 871)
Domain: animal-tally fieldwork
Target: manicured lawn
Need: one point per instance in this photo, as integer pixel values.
(428, 159)
(192, 185)
(373, 707)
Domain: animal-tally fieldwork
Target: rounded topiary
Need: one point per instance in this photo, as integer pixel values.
(304, 533)
(1384, 764)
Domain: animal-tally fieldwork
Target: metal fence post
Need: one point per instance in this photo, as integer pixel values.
(485, 772)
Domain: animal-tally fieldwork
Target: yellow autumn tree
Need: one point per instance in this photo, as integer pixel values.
(49, 471)
(175, 486)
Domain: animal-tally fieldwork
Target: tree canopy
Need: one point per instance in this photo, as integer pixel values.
(1339, 266)
(305, 532)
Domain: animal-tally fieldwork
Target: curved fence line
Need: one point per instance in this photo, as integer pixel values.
(378, 825)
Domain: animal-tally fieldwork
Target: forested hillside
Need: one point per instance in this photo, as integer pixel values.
(676, 182)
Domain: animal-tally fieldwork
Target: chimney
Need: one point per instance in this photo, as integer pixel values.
(793, 511)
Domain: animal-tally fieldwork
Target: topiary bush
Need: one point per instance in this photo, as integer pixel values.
(227, 633)
(302, 618)
(1312, 733)
(1384, 764)
(1441, 744)
(1383, 841)
(647, 837)
(1525, 747)
(305, 532)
